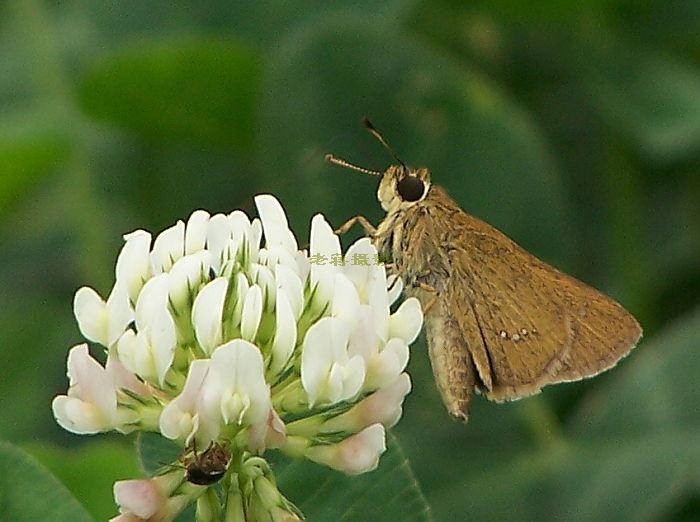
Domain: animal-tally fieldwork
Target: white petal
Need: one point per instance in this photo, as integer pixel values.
(236, 382)
(196, 231)
(152, 299)
(134, 262)
(185, 277)
(178, 419)
(394, 287)
(386, 366)
(127, 349)
(361, 275)
(163, 340)
(274, 222)
(91, 313)
(378, 300)
(346, 302)
(218, 233)
(119, 313)
(252, 313)
(353, 377)
(324, 244)
(168, 247)
(207, 310)
(264, 278)
(323, 240)
(245, 231)
(290, 282)
(256, 233)
(407, 321)
(323, 360)
(285, 333)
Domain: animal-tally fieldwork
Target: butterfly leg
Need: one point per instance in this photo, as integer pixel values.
(368, 227)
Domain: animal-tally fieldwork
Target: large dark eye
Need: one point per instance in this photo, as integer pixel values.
(411, 188)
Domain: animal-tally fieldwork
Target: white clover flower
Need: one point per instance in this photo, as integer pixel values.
(222, 335)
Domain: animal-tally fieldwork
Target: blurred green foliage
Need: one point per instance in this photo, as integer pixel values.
(573, 127)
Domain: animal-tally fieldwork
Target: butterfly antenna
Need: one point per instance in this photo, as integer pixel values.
(373, 130)
(342, 163)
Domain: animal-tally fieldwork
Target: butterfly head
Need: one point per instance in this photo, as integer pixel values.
(402, 187)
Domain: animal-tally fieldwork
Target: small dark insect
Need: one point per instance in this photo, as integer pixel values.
(208, 467)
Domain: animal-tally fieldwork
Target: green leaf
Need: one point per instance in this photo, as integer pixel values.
(653, 99)
(155, 451)
(203, 90)
(388, 493)
(89, 471)
(28, 492)
(588, 480)
(656, 389)
(31, 147)
(486, 151)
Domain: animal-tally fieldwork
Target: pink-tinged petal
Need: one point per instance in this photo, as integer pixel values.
(168, 247)
(90, 383)
(207, 311)
(179, 418)
(143, 498)
(125, 379)
(276, 431)
(77, 416)
(91, 313)
(407, 321)
(134, 262)
(356, 454)
(196, 231)
(383, 406)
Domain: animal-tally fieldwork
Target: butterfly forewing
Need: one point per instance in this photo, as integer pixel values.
(504, 321)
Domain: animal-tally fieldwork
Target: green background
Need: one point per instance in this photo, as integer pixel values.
(574, 127)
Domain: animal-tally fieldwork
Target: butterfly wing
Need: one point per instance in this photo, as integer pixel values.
(525, 323)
